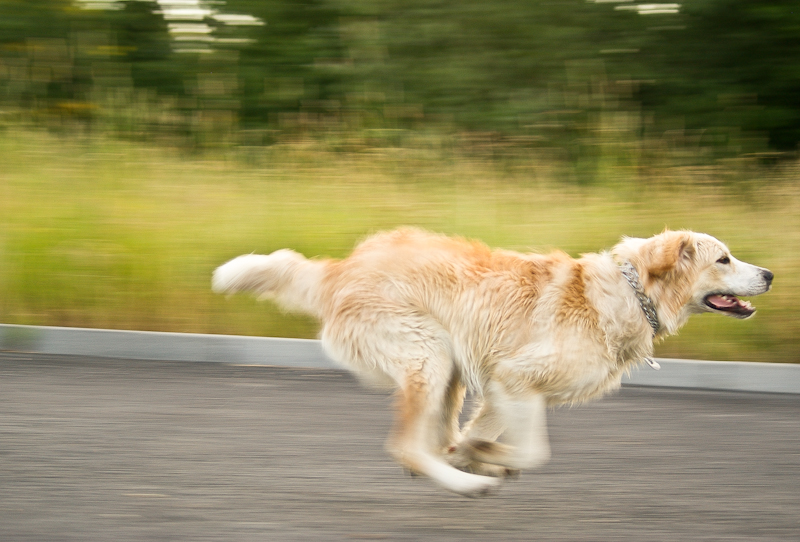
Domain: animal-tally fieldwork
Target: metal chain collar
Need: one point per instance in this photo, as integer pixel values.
(649, 310)
(632, 276)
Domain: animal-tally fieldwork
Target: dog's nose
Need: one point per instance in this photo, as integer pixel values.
(768, 276)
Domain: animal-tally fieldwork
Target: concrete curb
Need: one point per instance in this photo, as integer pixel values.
(150, 345)
(153, 345)
(719, 375)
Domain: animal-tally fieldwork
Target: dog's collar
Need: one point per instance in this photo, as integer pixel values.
(648, 308)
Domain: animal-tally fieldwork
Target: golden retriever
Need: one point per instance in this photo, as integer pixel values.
(435, 316)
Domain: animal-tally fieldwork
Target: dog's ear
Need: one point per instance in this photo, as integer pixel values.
(667, 251)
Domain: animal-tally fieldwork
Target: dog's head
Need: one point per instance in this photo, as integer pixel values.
(687, 273)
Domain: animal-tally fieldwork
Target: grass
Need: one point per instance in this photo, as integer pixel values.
(101, 233)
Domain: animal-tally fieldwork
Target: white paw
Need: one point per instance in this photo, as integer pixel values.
(473, 485)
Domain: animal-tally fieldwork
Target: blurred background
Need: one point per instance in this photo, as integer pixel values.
(143, 143)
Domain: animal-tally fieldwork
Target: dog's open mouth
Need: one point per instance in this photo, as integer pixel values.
(731, 304)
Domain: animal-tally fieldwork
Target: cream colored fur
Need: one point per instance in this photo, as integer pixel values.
(435, 316)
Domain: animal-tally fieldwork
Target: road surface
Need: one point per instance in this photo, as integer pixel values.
(110, 450)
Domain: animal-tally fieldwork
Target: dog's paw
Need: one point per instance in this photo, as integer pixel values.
(495, 471)
(460, 458)
(480, 486)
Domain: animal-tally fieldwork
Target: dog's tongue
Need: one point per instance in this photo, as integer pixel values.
(723, 301)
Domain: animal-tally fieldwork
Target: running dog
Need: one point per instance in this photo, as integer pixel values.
(434, 316)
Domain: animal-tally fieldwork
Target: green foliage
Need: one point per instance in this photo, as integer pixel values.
(733, 63)
(142, 37)
(724, 72)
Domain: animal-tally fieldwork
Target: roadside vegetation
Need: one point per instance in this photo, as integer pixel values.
(144, 142)
(103, 233)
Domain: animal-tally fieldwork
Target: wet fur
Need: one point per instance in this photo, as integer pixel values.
(434, 316)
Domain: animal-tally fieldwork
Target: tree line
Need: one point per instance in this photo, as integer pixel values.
(722, 70)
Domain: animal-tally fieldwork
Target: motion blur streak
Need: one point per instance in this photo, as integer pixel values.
(143, 142)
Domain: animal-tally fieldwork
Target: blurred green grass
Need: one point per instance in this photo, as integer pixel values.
(100, 233)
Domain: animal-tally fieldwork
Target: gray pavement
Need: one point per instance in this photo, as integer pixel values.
(309, 354)
(96, 449)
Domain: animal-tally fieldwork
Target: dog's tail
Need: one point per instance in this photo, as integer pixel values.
(285, 276)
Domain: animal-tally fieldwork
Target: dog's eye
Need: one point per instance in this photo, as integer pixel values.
(724, 260)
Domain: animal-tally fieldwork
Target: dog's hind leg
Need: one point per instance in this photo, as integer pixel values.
(450, 435)
(485, 425)
(417, 437)
(450, 431)
(413, 351)
(525, 437)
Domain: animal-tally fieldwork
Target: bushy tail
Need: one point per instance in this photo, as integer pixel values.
(285, 276)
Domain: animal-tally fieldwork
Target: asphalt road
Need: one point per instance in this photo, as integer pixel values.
(102, 450)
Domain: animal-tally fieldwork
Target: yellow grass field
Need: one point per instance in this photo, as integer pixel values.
(108, 234)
